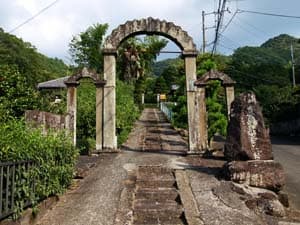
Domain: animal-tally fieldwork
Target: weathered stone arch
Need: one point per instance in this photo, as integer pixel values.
(84, 73)
(201, 83)
(72, 82)
(215, 75)
(148, 26)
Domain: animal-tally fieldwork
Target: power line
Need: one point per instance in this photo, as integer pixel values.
(254, 27)
(229, 22)
(33, 17)
(268, 14)
(232, 41)
(246, 30)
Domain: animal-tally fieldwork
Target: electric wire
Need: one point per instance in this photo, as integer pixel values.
(268, 14)
(33, 17)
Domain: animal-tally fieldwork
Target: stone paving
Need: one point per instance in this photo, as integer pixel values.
(152, 181)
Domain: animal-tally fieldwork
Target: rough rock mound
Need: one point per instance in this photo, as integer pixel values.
(247, 136)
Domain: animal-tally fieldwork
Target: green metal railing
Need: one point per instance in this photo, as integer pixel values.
(14, 175)
(166, 110)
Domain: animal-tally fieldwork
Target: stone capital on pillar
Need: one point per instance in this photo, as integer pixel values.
(189, 53)
(71, 83)
(100, 83)
(110, 51)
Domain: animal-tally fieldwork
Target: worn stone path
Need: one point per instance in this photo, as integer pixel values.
(151, 181)
(96, 200)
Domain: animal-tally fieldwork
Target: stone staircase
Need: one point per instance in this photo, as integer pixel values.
(157, 200)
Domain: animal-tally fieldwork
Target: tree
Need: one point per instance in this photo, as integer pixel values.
(15, 94)
(86, 48)
(137, 56)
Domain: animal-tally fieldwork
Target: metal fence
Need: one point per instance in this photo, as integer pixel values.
(166, 110)
(14, 176)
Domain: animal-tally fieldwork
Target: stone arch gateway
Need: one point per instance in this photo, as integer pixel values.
(147, 26)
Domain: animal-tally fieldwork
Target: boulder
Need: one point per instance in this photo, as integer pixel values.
(247, 136)
(266, 174)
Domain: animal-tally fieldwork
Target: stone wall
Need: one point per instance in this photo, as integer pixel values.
(45, 120)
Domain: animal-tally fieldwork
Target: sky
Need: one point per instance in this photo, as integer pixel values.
(52, 30)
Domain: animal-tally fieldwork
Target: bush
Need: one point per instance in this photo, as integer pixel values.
(53, 154)
(126, 111)
(86, 116)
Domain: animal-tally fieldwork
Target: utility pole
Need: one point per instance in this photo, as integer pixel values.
(203, 32)
(293, 65)
(220, 14)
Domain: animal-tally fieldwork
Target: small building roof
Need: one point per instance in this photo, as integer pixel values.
(53, 84)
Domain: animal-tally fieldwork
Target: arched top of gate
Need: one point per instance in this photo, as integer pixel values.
(150, 26)
(85, 73)
(215, 75)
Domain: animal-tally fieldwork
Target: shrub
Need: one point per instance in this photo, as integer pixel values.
(126, 111)
(53, 154)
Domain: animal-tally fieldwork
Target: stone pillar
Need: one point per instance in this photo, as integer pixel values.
(72, 109)
(229, 98)
(143, 99)
(202, 120)
(99, 114)
(190, 73)
(109, 101)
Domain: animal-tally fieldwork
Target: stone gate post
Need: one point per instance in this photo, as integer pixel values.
(99, 114)
(190, 73)
(202, 120)
(229, 98)
(71, 109)
(109, 101)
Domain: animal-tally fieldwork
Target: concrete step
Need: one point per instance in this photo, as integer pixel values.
(155, 183)
(157, 194)
(158, 210)
(154, 170)
(157, 199)
(158, 221)
(159, 205)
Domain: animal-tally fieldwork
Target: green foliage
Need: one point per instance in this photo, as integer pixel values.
(266, 70)
(252, 66)
(33, 66)
(144, 50)
(216, 115)
(86, 115)
(173, 73)
(159, 67)
(53, 154)
(180, 116)
(126, 111)
(161, 86)
(150, 95)
(86, 48)
(15, 94)
(206, 62)
(278, 103)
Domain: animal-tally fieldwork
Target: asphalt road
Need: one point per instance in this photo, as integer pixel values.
(287, 152)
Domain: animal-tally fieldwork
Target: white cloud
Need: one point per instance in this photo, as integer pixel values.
(52, 31)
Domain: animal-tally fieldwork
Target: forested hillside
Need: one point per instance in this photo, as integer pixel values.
(267, 70)
(32, 65)
(22, 67)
